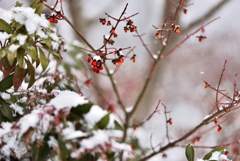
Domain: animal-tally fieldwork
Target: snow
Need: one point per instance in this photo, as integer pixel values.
(13, 47)
(17, 108)
(111, 71)
(155, 56)
(94, 115)
(201, 72)
(70, 132)
(96, 58)
(32, 21)
(5, 15)
(215, 155)
(67, 99)
(24, 123)
(21, 39)
(4, 36)
(5, 96)
(53, 142)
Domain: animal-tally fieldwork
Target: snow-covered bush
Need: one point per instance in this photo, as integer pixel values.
(45, 114)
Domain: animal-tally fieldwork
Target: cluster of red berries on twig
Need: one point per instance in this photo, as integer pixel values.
(54, 17)
(119, 59)
(201, 37)
(129, 26)
(216, 123)
(97, 63)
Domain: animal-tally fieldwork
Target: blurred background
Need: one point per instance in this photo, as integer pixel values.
(178, 79)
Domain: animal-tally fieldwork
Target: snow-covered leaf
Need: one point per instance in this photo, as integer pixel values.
(103, 122)
(189, 152)
(5, 26)
(81, 109)
(218, 149)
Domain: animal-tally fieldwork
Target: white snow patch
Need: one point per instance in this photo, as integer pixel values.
(13, 47)
(94, 115)
(4, 36)
(70, 132)
(21, 39)
(67, 99)
(155, 56)
(17, 108)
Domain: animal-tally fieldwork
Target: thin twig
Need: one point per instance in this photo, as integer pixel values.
(219, 84)
(174, 143)
(165, 112)
(145, 46)
(188, 36)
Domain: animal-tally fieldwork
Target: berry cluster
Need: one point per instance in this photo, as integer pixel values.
(97, 63)
(119, 59)
(54, 17)
(201, 37)
(130, 26)
(175, 28)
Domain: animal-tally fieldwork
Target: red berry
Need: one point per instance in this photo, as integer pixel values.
(226, 153)
(98, 71)
(170, 122)
(219, 128)
(59, 16)
(51, 20)
(134, 127)
(94, 69)
(88, 82)
(134, 60)
(89, 59)
(111, 108)
(101, 67)
(121, 60)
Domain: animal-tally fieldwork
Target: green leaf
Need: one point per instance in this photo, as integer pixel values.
(189, 152)
(11, 56)
(81, 109)
(6, 83)
(43, 59)
(8, 69)
(63, 148)
(34, 3)
(2, 52)
(18, 77)
(118, 126)
(102, 124)
(20, 55)
(39, 8)
(31, 71)
(5, 26)
(219, 149)
(32, 51)
(40, 153)
(18, 4)
(51, 50)
(5, 109)
(48, 42)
